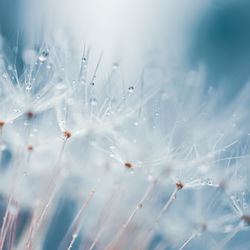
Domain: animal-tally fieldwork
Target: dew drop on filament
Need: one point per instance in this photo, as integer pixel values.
(131, 89)
(44, 56)
(115, 66)
(28, 87)
(93, 101)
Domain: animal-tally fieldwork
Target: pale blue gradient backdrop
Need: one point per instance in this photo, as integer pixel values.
(220, 40)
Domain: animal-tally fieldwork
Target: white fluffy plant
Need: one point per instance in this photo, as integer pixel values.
(126, 166)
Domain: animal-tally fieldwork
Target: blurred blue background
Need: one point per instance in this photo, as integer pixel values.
(220, 40)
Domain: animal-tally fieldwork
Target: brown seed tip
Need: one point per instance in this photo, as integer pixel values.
(30, 148)
(128, 165)
(140, 205)
(179, 185)
(203, 227)
(30, 114)
(246, 218)
(222, 185)
(67, 134)
(2, 124)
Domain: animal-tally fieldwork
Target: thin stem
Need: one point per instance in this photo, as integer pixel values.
(130, 218)
(105, 215)
(75, 227)
(147, 236)
(15, 191)
(10, 219)
(164, 210)
(1, 135)
(97, 238)
(189, 239)
(52, 189)
(78, 218)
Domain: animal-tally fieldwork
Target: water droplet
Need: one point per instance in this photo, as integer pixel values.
(5, 75)
(93, 101)
(84, 59)
(61, 122)
(28, 87)
(44, 56)
(209, 182)
(37, 97)
(150, 177)
(108, 113)
(16, 111)
(131, 89)
(49, 66)
(92, 84)
(115, 66)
